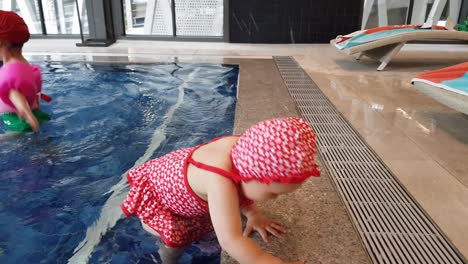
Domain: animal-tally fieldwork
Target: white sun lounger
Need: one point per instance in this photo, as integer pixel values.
(449, 86)
(385, 48)
(451, 99)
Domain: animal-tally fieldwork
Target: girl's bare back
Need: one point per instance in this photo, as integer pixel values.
(216, 154)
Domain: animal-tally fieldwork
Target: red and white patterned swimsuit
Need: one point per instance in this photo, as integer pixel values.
(161, 198)
(276, 150)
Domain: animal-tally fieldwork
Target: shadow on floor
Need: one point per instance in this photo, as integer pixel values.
(455, 124)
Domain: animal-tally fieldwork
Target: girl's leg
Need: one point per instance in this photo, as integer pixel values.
(8, 135)
(169, 255)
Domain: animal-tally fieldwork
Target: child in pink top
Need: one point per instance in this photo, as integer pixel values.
(20, 82)
(187, 193)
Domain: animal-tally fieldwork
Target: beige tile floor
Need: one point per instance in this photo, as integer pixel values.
(424, 143)
(319, 229)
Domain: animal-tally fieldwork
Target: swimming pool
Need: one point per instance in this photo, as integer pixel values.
(61, 189)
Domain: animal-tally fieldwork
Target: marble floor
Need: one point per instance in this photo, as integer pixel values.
(424, 143)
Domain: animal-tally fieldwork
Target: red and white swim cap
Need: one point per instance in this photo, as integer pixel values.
(277, 150)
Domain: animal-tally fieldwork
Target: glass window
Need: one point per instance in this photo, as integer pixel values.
(60, 16)
(381, 13)
(148, 17)
(451, 9)
(193, 17)
(395, 12)
(199, 18)
(435, 11)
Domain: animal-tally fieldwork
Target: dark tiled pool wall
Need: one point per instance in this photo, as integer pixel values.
(292, 21)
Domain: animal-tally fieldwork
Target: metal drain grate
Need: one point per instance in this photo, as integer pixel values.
(393, 227)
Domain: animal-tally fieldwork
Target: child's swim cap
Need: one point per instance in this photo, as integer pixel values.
(12, 28)
(276, 150)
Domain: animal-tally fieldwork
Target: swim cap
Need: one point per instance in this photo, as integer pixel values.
(277, 150)
(12, 28)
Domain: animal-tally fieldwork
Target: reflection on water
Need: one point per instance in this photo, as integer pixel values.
(55, 184)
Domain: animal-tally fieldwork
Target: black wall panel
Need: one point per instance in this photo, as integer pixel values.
(292, 21)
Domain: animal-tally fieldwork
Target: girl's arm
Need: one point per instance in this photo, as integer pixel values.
(225, 215)
(23, 110)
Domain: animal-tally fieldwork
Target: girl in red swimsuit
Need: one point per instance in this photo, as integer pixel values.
(183, 195)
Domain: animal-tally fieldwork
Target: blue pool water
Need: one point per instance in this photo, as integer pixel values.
(60, 190)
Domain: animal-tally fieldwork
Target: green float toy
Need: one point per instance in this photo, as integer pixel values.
(462, 27)
(16, 124)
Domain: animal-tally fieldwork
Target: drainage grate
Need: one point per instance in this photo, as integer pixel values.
(393, 227)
